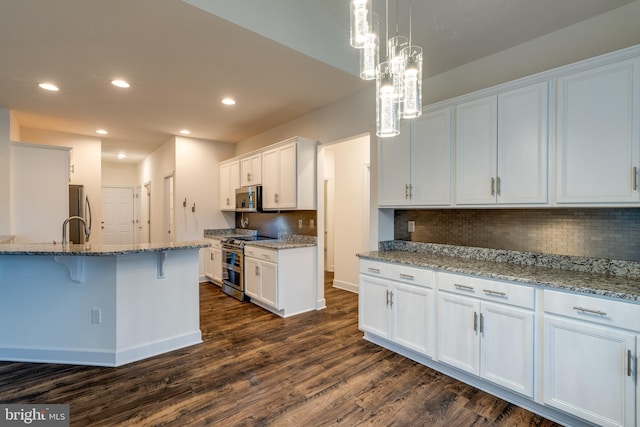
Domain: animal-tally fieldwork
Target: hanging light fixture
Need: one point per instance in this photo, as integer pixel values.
(399, 77)
(359, 22)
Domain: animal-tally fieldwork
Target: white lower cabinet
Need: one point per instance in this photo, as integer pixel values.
(396, 303)
(494, 341)
(282, 281)
(213, 262)
(590, 358)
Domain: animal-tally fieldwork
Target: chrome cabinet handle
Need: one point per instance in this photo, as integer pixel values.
(481, 323)
(635, 178)
(387, 297)
(257, 270)
(228, 201)
(373, 270)
(249, 177)
(211, 254)
(493, 186)
(406, 191)
(410, 191)
(587, 310)
(406, 276)
(463, 287)
(498, 185)
(390, 299)
(629, 359)
(496, 293)
(475, 322)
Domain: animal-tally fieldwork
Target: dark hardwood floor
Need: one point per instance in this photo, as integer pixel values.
(256, 369)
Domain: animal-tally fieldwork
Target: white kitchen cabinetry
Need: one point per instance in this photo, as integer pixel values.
(486, 328)
(289, 175)
(282, 281)
(501, 146)
(229, 181)
(590, 357)
(415, 166)
(599, 135)
(213, 262)
(251, 170)
(396, 303)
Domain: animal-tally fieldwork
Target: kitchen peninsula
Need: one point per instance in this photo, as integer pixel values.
(102, 305)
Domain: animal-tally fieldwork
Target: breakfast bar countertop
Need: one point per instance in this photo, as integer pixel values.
(609, 278)
(91, 249)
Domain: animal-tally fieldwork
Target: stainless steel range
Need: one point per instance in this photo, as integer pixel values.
(233, 264)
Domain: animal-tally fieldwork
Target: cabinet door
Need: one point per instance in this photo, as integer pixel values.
(522, 145)
(506, 344)
(412, 307)
(208, 263)
(458, 325)
(431, 159)
(598, 135)
(225, 185)
(269, 284)
(373, 307)
(269, 178)
(476, 148)
(216, 265)
(587, 372)
(252, 277)
(288, 176)
(394, 166)
(251, 170)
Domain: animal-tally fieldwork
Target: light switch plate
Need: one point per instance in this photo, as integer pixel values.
(412, 226)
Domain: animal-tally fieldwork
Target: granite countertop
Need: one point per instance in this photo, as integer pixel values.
(596, 279)
(283, 241)
(96, 249)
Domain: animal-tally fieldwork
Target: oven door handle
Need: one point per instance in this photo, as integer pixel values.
(232, 267)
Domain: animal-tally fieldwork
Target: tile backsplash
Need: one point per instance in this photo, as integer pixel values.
(271, 223)
(612, 233)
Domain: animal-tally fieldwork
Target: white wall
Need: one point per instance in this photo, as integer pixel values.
(351, 158)
(86, 161)
(116, 174)
(329, 206)
(197, 180)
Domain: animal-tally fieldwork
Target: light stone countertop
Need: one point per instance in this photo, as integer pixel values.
(96, 249)
(284, 240)
(620, 282)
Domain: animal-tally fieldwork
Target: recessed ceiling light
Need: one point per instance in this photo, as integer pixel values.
(102, 132)
(49, 86)
(228, 101)
(121, 156)
(185, 132)
(120, 83)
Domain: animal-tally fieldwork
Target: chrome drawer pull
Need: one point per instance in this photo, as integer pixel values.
(586, 310)
(629, 359)
(463, 287)
(406, 276)
(373, 270)
(490, 292)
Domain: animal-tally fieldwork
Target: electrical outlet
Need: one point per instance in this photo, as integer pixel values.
(96, 315)
(311, 223)
(299, 223)
(412, 226)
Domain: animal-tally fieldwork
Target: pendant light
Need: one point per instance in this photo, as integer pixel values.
(369, 53)
(412, 77)
(387, 115)
(359, 22)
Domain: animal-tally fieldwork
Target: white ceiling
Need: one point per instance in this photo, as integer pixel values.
(280, 59)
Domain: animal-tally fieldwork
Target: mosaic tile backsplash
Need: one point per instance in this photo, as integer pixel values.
(596, 233)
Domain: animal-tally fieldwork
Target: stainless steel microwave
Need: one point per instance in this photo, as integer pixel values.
(249, 199)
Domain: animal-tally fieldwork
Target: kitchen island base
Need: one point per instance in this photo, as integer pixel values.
(105, 310)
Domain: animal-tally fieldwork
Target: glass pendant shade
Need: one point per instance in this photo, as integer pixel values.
(369, 53)
(412, 82)
(359, 22)
(387, 114)
(395, 57)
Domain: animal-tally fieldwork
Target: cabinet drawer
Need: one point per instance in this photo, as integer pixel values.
(398, 272)
(593, 309)
(215, 243)
(507, 293)
(261, 253)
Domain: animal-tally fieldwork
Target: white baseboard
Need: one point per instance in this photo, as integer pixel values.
(351, 287)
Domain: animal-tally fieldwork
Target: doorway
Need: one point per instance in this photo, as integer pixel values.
(168, 235)
(117, 216)
(146, 213)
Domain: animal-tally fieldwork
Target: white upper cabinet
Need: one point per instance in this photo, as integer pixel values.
(415, 166)
(251, 170)
(229, 181)
(289, 175)
(598, 135)
(502, 148)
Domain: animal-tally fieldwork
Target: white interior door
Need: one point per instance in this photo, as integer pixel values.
(117, 216)
(169, 218)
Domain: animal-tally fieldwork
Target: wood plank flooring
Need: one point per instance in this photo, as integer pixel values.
(256, 369)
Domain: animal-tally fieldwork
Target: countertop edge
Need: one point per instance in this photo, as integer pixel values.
(96, 250)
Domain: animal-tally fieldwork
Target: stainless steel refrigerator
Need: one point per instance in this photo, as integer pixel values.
(78, 206)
